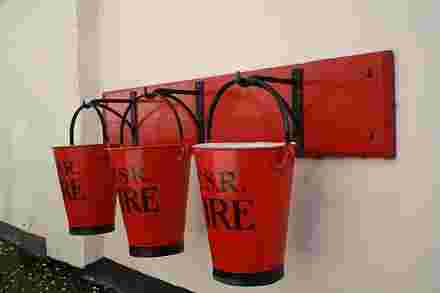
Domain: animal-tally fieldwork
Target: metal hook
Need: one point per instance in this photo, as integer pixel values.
(89, 104)
(149, 95)
(241, 81)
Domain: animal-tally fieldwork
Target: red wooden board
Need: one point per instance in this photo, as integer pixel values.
(348, 108)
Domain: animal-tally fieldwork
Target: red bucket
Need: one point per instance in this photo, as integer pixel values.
(151, 184)
(246, 190)
(85, 178)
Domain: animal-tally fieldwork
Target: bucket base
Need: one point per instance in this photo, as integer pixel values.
(96, 230)
(249, 279)
(156, 251)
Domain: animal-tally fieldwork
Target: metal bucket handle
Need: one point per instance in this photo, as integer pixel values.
(95, 105)
(150, 97)
(255, 82)
(75, 117)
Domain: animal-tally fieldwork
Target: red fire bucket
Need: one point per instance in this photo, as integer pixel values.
(85, 178)
(151, 184)
(245, 190)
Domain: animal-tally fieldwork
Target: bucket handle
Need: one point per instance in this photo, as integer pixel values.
(255, 82)
(75, 117)
(95, 105)
(150, 97)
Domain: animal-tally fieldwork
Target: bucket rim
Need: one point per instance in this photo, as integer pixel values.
(84, 146)
(143, 147)
(240, 145)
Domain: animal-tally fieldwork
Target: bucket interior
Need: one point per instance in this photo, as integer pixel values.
(240, 145)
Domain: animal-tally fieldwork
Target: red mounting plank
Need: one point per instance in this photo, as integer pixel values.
(348, 108)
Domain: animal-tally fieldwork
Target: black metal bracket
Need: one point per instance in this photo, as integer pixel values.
(150, 97)
(134, 115)
(271, 79)
(102, 103)
(200, 109)
(98, 105)
(296, 111)
(297, 100)
(198, 93)
(164, 91)
(111, 101)
(254, 82)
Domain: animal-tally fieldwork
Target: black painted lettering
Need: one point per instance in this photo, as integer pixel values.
(71, 189)
(227, 181)
(240, 210)
(66, 190)
(136, 174)
(125, 175)
(209, 180)
(122, 174)
(150, 199)
(220, 213)
(68, 168)
(75, 188)
(129, 196)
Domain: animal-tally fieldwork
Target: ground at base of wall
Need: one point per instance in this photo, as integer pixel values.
(25, 267)
(22, 272)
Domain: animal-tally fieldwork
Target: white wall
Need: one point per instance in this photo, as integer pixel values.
(359, 225)
(39, 86)
(89, 86)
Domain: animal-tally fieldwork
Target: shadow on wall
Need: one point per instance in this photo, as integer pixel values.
(195, 214)
(306, 210)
